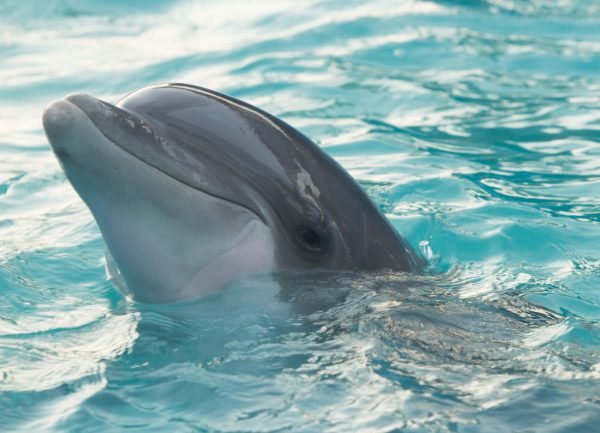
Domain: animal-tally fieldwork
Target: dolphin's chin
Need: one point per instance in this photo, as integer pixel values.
(114, 275)
(168, 241)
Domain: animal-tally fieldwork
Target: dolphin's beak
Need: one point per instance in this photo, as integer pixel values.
(61, 117)
(59, 120)
(93, 106)
(57, 117)
(121, 127)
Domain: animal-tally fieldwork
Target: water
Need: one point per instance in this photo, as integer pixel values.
(475, 125)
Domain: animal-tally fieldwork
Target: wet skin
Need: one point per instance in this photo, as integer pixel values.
(192, 189)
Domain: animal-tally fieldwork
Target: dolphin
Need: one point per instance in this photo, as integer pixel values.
(192, 189)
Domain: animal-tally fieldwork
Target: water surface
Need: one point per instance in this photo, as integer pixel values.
(475, 125)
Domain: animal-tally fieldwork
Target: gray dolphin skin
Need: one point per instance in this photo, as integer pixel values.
(192, 189)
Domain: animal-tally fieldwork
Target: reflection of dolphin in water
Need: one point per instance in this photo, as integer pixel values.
(192, 189)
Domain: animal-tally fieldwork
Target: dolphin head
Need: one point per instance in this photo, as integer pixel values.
(192, 189)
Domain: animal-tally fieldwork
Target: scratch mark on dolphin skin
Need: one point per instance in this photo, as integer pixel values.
(308, 190)
(304, 182)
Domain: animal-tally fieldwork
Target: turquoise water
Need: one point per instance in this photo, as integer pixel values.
(475, 125)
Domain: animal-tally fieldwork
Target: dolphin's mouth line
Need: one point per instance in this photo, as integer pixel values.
(183, 182)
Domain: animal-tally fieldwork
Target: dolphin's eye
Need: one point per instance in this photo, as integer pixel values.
(312, 240)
